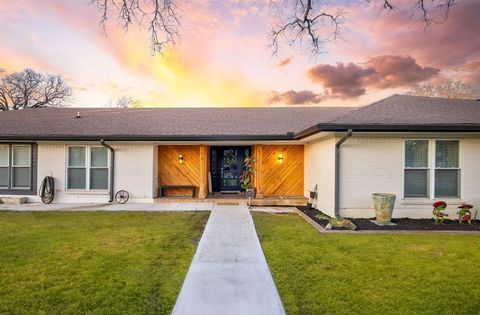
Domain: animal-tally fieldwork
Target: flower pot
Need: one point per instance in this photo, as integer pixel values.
(383, 204)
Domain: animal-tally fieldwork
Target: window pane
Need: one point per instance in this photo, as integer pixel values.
(3, 155)
(99, 157)
(416, 183)
(446, 155)
(3, 176)
(21, 155)
(76, 178)
(21, 177)
(446, 183)
(416, 153)
(99, 178)
(76, 156)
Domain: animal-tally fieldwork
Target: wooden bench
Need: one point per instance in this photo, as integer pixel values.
(163, 188)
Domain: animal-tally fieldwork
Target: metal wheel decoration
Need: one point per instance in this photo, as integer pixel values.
(121, 196)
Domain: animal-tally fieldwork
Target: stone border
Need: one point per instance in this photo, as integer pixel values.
(322, 230)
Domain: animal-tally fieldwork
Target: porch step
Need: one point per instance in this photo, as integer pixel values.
(277, 201)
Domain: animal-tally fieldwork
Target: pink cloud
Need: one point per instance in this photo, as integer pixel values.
(284, 62)
(381, 72)
(445, 45)
(295, 97)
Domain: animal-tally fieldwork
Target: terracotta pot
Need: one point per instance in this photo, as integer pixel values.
(383, 204)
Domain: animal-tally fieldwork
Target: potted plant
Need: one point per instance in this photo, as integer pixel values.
(383, 204)
(313, 197)
(246, 179)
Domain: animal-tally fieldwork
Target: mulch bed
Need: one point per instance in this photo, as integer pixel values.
(401, 224)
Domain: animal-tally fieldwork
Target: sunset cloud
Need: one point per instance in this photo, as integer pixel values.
(295, 97)
(229, 64)
(448, 45)
(381, 72)
(284, 62)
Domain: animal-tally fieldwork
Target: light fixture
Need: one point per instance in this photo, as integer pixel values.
(180, 159)
(280, 158)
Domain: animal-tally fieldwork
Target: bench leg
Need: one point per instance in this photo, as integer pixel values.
(194, 190)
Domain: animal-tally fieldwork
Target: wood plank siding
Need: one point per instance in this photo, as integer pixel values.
(171, 172)
(274, 179)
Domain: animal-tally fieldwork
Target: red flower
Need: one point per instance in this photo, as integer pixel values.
(439, 204)
(465, 206)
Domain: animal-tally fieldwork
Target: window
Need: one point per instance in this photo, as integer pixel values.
(21, 166)
(87, 168)
(447, 171)
(416, 168)
(16, 167)
(441, 156)
(4, 166)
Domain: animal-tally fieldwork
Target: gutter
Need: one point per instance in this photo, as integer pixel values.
(288, 136)
(337, 171)
(112, 167)
(268, 137)
(401, 127)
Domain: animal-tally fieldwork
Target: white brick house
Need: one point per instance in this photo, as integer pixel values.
(421, 149)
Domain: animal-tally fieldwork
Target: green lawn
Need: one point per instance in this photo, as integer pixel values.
(95, 262)
(370, 274)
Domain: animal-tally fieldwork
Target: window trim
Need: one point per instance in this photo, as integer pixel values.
(32, 188)
(87, 167)
(432, 143)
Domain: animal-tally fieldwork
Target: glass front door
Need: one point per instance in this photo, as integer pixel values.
(227, 167)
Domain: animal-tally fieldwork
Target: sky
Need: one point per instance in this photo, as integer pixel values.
(223, 56)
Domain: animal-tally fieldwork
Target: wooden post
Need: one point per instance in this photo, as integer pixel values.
(258, 154)
(203, 185)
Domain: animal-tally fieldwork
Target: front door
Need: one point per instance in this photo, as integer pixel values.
(227, 167)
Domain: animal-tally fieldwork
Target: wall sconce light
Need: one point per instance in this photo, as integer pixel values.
(280, 158)
(180, 159)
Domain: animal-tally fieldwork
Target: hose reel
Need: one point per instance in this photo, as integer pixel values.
(47, 190)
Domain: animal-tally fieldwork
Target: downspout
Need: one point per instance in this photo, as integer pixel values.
(112, 167)
(337, 171)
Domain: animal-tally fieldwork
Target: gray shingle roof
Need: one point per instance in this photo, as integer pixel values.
(413, 111)
(163, 122)
(392, 113)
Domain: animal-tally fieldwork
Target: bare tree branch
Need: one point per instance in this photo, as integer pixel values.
(311, 22)
(161, 17)
(304, 22)
(450, 89)
(124, 102)
(429, 11)
(29, 89)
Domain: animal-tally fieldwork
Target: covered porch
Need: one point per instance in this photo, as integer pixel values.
(214, 171)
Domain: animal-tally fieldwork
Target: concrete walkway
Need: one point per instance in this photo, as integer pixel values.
(229, 273)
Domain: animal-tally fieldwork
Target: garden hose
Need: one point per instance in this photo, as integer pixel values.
(47, 189)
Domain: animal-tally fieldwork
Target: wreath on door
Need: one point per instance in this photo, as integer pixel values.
(230, 158)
